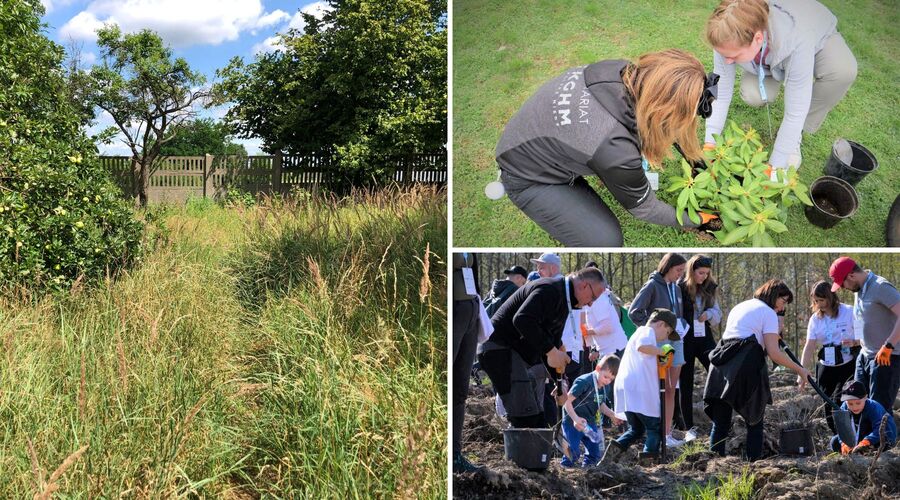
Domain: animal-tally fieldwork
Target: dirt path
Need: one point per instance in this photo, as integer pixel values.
(824, 475)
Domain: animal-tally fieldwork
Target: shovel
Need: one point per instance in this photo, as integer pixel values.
(842, 418)
(561, 443)
(664, 363)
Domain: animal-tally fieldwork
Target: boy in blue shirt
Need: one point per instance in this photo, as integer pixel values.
(867, 415)
(585, 402)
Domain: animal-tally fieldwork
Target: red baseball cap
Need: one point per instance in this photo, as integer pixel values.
(839, 270)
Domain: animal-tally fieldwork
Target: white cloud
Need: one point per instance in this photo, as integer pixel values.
(88, 58)
(270, 44)
(317, 9)
(50, 5)
(180, 23)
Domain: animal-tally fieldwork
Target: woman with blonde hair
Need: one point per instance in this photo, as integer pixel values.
(610, 119)
(795, 43)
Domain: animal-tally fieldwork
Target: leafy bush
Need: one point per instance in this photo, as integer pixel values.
(736, 186)
(61, 219)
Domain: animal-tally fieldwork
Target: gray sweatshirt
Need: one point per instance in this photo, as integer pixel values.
(654, 294)
(582, 123)
(798, 29)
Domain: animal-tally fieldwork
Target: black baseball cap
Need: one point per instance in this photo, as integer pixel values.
(667, 317)
(853, 390)
(516, 270)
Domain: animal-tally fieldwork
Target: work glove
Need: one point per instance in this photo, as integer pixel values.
(705, 217)
(666, 351)
(883, 358)
(845, 450)
(862, 446)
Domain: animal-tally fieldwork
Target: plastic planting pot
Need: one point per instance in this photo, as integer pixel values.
(528, 448)
(850, 161)
(833, 201)
(796, 442)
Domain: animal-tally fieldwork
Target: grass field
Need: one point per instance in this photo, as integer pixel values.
(288, 350)
(503, 51)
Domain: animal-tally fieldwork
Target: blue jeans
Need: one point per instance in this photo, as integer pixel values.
(720, 411)
(576, 438)
(639, 423)
(883, 382)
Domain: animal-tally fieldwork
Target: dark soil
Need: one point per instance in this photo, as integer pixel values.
(825, 205)
(714, 225)
(824, 475)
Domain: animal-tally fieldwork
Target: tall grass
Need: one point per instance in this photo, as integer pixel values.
(276, 350)
(730, 487)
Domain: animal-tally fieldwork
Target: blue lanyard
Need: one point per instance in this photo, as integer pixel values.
(761, 73)
(672, 298)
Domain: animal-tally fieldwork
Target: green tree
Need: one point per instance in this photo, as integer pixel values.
(61, 218)
(199, 137)
(146, 92)
(368, 81)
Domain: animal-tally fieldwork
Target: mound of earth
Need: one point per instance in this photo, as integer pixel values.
(823, 475)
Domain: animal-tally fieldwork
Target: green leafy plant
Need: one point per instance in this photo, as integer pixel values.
(735, 186)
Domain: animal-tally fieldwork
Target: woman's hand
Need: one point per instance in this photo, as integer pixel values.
(803, 375)
(703, 317)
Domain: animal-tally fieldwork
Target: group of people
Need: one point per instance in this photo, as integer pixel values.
(615, 118)
(569, 327)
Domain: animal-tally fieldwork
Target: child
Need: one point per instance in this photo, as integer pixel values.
(867, 415)
(587, 394)
(637, 386)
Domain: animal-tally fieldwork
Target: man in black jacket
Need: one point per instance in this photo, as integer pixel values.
(501, 290)
(527, 341)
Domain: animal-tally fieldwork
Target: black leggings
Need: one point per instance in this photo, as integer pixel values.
(573, 213)
(695, 348)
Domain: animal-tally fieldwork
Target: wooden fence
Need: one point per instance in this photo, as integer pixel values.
(181, 177)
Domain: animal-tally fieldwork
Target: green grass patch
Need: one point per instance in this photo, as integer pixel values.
(330, 384)
(503, 52)
(730, 487)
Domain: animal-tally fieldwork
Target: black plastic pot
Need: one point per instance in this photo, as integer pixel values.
(796, 442)
(528, 448)
(861, 161)
(892, 231)
(833, 201)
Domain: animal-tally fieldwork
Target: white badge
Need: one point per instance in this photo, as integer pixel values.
(682, 327)
(653, 178)
(829, 356)
(699, 328)
(469, 278)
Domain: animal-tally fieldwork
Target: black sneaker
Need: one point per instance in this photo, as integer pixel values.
(462, 465)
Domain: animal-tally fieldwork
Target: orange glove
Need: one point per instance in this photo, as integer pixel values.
(883, 358)
(865, 443)
(709, 146)
(845, 450)
(768, 171)
(705, 217)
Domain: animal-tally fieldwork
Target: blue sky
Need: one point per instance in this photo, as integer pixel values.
(207, 33)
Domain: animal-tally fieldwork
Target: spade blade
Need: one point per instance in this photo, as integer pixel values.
(844, 427)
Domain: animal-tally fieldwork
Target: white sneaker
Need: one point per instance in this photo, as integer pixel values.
(671, 442)
(690, 435)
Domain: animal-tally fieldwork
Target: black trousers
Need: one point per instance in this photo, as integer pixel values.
(465, 342)
(831, 379)
(695, 348)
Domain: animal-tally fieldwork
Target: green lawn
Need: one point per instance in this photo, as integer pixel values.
(503, 51)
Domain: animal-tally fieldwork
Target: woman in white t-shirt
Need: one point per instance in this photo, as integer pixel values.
(831, 329)
(738, 377)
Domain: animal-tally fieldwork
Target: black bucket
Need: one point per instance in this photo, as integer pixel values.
(850, 161)
(833, 200)
(528, 448)
(796, 442)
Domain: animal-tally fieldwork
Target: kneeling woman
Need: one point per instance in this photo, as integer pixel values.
(603, 119)
(738, 377)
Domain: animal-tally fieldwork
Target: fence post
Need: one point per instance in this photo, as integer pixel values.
(276, 173)
(207, 173)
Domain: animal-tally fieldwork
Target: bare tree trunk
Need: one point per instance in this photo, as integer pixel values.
(144, 185)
